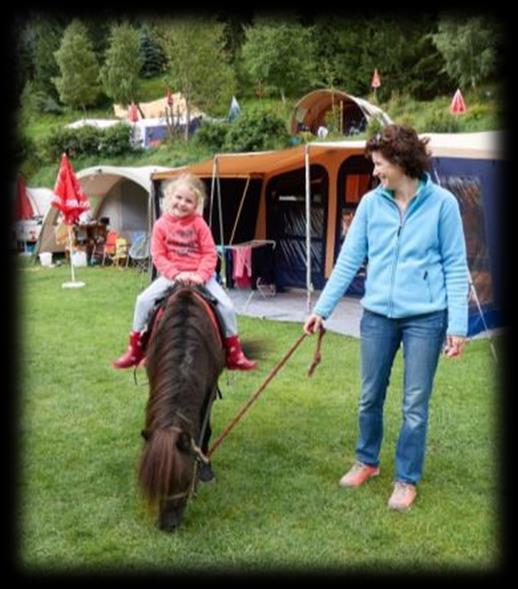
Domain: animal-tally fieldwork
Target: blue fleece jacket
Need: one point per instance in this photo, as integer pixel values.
(416, 262)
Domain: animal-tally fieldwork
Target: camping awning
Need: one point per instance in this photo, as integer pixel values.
(263, 163)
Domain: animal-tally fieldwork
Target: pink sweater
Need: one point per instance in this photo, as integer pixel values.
(183, 244)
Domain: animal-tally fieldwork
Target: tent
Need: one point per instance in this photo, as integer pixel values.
(271, 195)
(118, 194)
(354, 113)
(158, 108)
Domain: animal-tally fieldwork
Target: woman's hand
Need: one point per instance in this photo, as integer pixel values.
(454, 346)
(314, 323)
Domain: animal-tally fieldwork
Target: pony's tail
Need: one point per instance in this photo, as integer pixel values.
(159, 460)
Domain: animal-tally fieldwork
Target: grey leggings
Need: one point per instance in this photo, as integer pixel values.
(156, 290)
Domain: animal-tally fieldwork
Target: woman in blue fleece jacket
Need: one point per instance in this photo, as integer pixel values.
(409, 231)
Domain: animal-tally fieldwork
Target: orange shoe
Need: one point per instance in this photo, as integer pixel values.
(358, 474)
(402, 497)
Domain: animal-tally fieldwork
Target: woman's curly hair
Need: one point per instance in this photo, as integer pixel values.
(400, 145)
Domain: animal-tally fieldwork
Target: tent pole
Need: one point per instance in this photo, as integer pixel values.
(309, 286)
(70, 252)
(212, 181)
(221, 234)
(479, 307)
(239, 211)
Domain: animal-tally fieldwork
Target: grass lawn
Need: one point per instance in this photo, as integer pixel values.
(276, 504)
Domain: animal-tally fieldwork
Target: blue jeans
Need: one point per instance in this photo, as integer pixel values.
(422, 337)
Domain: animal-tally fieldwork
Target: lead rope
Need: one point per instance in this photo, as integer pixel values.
(268, 379)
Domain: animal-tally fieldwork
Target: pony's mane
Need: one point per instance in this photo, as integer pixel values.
(184, 335)
(183, 363)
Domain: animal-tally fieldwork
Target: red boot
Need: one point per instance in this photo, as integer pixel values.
(134, 353)
(236, 359)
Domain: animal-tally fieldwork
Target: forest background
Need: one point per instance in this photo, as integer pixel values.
(72, 67)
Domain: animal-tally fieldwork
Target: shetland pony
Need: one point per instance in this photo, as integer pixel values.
(184, 360)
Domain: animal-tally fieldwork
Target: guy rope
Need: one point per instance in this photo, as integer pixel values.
(267, 380)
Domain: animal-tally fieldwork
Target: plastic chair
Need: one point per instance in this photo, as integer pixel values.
(121, 255)
(139, 252)
(110, 246)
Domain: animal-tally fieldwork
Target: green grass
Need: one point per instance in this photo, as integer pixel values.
(276, 504)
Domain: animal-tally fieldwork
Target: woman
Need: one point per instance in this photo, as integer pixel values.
(410, 232)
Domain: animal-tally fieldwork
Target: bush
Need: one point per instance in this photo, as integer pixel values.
(116, 140)
(255, 130)
(85, 141)
(212, 135)
(440, 121)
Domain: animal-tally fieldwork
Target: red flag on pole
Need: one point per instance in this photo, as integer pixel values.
(458, 106)
(376, 80)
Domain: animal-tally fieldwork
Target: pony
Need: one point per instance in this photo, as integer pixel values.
(185, 357)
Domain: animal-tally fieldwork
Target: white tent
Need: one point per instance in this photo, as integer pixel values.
(118, 194)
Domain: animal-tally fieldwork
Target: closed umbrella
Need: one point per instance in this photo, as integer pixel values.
(169, 98)
(376, 80)
(70, 199)
(133, 113)
(23, 208)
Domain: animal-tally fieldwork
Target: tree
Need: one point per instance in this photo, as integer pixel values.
(470, 47)
(120, 73)
(78, 85)
(279, 55)
(198, 62)
(48, 33)
(154, 61)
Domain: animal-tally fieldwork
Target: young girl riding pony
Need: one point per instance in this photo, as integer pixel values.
(183, 251)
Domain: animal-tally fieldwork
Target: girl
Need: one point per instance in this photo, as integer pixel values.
(183, 250)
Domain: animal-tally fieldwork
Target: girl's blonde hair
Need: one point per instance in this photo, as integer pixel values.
(196, 186)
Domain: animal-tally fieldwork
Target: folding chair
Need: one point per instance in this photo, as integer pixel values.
(139, 252)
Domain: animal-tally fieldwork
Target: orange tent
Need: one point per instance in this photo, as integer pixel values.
(267, 195)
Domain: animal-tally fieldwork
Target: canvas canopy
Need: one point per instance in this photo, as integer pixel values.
(352, 113)
(157, 108)
(118, 194)
(297, 197)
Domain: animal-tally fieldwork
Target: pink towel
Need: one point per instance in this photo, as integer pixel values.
(242, 258)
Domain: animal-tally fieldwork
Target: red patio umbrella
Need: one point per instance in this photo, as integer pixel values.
(70, 199)
(458, 106)
(133, 113)
(23, 207)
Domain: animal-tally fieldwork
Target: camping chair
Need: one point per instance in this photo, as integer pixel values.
(109, 246)
(139, 252)
(121, 256)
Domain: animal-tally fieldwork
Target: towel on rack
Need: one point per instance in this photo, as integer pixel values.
(242, 266)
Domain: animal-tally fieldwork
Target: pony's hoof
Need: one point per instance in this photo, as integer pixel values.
(206, 473)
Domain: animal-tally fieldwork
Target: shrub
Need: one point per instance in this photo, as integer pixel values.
(85, 141)
(255, 130)
(212, 135)
(440, 121)
(116, 140)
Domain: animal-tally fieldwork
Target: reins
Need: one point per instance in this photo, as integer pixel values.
(316, 360)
